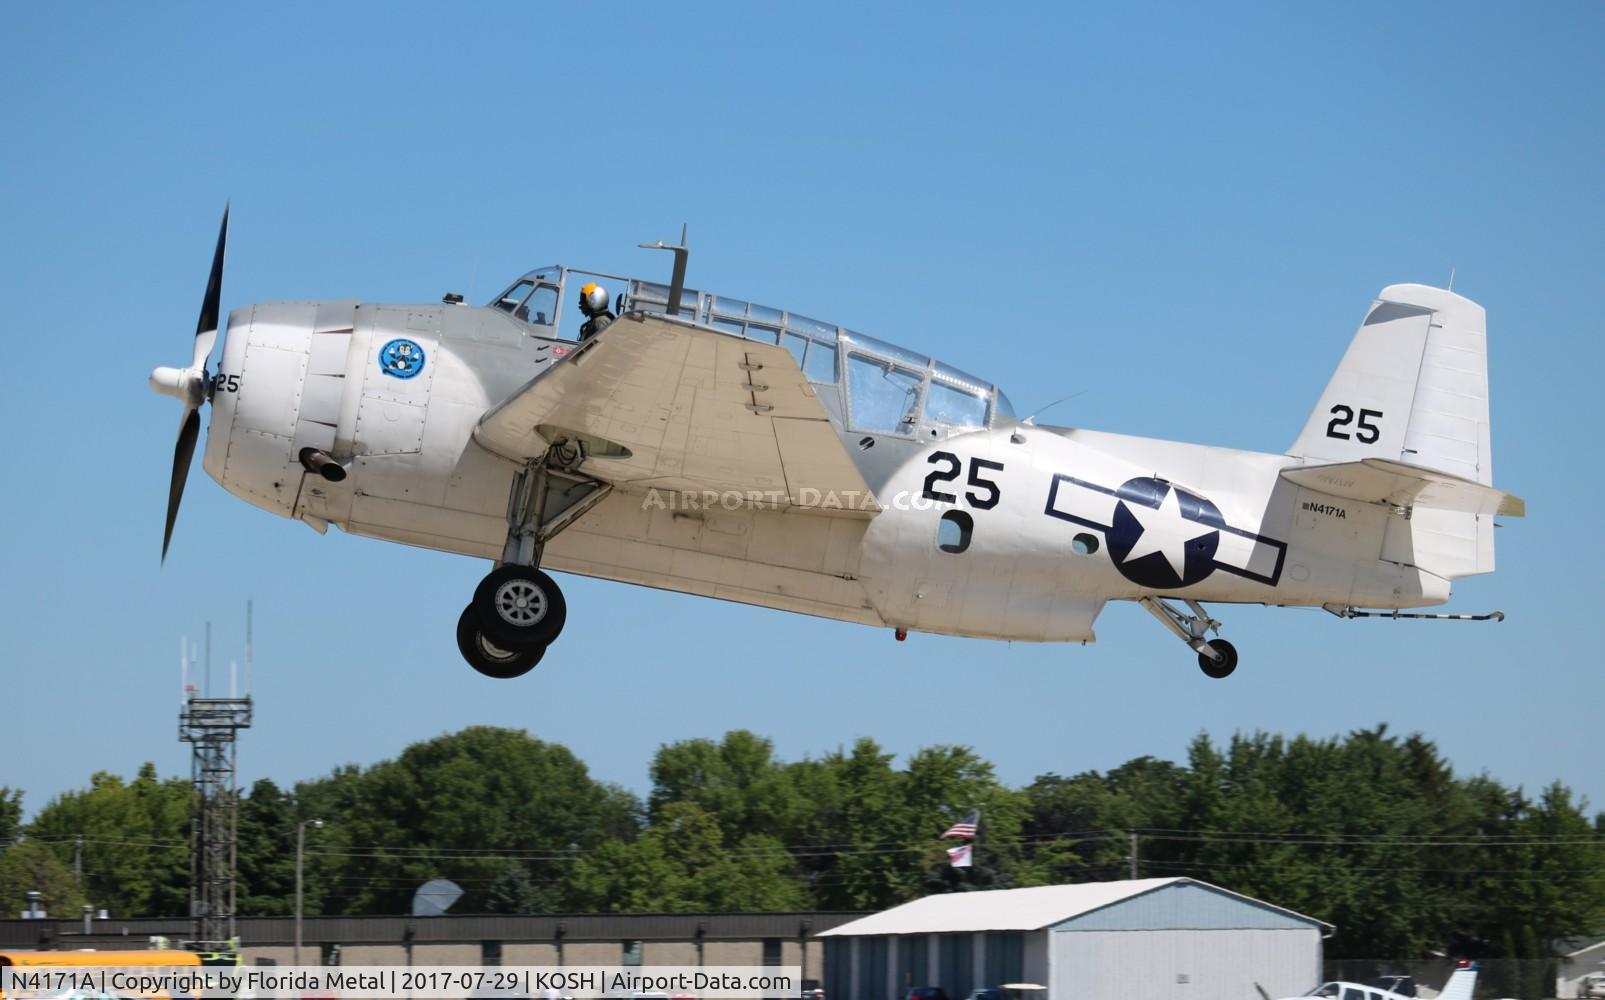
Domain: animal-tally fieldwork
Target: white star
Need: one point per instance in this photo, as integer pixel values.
(1164, 531)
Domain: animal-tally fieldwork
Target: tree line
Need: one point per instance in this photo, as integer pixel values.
(1370, 831)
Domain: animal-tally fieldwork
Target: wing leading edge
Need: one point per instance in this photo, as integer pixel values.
(669, 406)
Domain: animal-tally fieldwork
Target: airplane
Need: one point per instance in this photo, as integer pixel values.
(707, 445)
(1461, 986)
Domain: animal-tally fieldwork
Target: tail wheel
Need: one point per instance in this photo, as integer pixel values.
(1222, 667)
(490, 659)
(519, 606)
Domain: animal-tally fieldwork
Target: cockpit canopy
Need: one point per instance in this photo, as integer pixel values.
(534, 298)
(888, 389)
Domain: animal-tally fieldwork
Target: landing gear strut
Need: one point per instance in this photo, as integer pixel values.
(1216, 657)
(517, 610)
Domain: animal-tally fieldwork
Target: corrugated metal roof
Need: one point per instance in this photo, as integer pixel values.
(1016, 909)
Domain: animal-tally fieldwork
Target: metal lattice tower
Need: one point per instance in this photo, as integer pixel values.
(212, 727)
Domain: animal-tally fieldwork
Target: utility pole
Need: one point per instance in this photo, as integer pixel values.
(1133, 835)
(300, 851)
(78, 863)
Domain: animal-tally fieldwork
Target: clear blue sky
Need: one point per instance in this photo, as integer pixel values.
(1180, 212)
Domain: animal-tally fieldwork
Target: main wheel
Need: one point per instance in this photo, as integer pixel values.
(1222, 667)
(489, 658)
(519, 606)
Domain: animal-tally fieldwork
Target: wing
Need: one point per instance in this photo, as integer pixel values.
(662, 404)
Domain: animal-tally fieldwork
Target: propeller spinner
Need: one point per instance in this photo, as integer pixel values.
(192, 386)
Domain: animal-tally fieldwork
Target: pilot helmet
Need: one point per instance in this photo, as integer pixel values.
(593, 299)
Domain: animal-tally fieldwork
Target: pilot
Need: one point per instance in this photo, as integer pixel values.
(593, 303)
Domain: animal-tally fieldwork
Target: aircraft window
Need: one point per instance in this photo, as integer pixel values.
(1350, 993)
(797, 345)
(729, 307)
(761, 333)
(651, 291)
(1004, 408)
(1324, 990)
(540, 308)
(513, 297)
(898, 354)
(765, 315)
(658, 295)
(953, 531)
(947, 404)
(812, 327)
(883, 397)
(727, 326)
(821, 366)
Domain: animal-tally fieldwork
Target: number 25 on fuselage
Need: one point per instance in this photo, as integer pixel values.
(712, 446)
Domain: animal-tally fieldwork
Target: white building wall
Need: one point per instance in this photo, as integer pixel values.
(1036, 957)
(1181, 964)
(1577, 965)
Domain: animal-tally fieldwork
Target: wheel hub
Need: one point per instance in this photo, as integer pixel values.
(521, 603)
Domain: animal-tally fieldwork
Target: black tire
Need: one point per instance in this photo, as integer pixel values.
(490, 659)
(519, 606)
(1226, 664)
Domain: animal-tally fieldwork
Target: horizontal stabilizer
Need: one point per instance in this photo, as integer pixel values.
(1379, 480)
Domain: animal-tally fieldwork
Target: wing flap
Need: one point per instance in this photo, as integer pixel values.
(670, 406)
(1380, 480)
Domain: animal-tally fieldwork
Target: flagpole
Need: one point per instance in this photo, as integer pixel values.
(975, 845)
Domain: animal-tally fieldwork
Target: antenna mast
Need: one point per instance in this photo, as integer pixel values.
(211, 726)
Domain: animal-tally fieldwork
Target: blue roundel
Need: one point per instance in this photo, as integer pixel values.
(402, 358)
(1163, 537)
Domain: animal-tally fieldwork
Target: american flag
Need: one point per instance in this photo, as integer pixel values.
(959, 856)
(964, 827)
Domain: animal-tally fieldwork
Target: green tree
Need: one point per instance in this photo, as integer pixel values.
(1532, 966)
(266, 851)
(681, 865)
(135, 841)
(736, 780)
(31, 866)
(464, 806)
(513, 891)
(619, 877)
(873, 863)
(1080, 827)
(946, 783)
(10, 815)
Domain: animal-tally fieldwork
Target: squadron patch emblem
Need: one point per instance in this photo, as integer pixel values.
(401, 358)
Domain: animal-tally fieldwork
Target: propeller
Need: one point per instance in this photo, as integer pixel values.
(191, 386)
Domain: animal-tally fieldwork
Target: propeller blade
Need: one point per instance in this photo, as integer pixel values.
(183, 454)
(206, 327)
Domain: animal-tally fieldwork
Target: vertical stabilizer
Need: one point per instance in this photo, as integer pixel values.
(1460, 983)
(1413, 388)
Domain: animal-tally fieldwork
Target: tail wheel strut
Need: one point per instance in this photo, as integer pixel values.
(1216, 657)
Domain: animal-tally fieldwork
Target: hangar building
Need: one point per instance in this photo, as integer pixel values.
(1144, 939)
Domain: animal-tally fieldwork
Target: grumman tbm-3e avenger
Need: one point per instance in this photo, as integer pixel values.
(713, 446)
